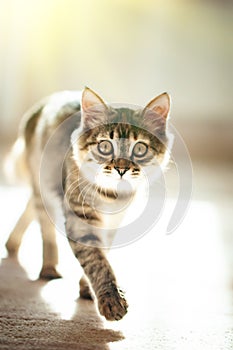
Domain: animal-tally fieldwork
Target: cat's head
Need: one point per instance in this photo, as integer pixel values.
(114, 144)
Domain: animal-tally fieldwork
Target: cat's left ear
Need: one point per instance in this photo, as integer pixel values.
(93, 109)
(156, 112)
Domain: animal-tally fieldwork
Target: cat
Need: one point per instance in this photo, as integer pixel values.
(83, 155)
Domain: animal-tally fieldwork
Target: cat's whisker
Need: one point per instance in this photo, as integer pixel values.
(72, 173)
(83, 190)
(69, 194)
(82, 184)
(88, 187)
(83, 201)
(82, 181)
(71, 189)
(75, 181)
(94, 196)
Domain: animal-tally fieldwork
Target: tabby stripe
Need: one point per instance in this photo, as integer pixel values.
(86, 214)
(107, 193)
(95, 266)
(90, 237)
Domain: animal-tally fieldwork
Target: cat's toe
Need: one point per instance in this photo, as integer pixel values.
(113, 305)
(49, 273)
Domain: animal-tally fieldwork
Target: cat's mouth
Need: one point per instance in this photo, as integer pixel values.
(118, 182)
(121, 169)
(121, 177)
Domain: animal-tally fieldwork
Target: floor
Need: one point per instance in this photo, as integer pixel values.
(179, 286)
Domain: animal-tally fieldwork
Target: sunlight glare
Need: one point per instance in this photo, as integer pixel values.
(61, 296)
(181, 276)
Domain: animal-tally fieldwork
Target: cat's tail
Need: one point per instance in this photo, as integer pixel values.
(15, 167)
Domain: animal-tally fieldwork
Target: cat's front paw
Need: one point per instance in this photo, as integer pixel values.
(112, 304)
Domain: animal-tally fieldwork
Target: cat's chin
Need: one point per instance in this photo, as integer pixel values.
(124, 188)
(121, 188)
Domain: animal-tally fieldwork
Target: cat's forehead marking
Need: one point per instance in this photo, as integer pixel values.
(122, 130)
(123, 115)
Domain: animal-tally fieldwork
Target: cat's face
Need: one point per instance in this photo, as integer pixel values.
(120, 146)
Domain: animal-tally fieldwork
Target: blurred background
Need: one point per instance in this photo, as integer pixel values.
(129, 51)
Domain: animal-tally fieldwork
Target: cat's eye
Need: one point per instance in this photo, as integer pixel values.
(105, 147)
(140, 149)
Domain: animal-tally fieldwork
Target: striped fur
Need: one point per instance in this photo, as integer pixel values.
(77, 151)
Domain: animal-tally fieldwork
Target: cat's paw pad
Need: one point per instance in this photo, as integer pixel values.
(49, 273)
(113, 305)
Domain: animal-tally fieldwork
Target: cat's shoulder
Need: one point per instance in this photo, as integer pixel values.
(50, 110)
(58, 100)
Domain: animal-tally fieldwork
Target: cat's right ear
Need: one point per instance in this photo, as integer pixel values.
(93, 109)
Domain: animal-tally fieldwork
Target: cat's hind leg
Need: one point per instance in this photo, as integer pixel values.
(84, 289)
(15, 238)
(50, 251)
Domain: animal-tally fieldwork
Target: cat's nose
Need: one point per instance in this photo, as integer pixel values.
(121, 171)
(122, 165)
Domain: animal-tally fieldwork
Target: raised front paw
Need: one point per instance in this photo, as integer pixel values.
(112, 304)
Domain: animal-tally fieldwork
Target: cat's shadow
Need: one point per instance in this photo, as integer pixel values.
(32, 318)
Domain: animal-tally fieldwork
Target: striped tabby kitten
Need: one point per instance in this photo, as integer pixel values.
(87, 158)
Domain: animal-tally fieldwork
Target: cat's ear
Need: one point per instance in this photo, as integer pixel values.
(156, 112)
(93, 109)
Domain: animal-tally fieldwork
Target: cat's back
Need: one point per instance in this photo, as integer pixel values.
(40, 122)
(53, 118)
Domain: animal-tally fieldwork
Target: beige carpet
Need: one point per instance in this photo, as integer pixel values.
(26, 322)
